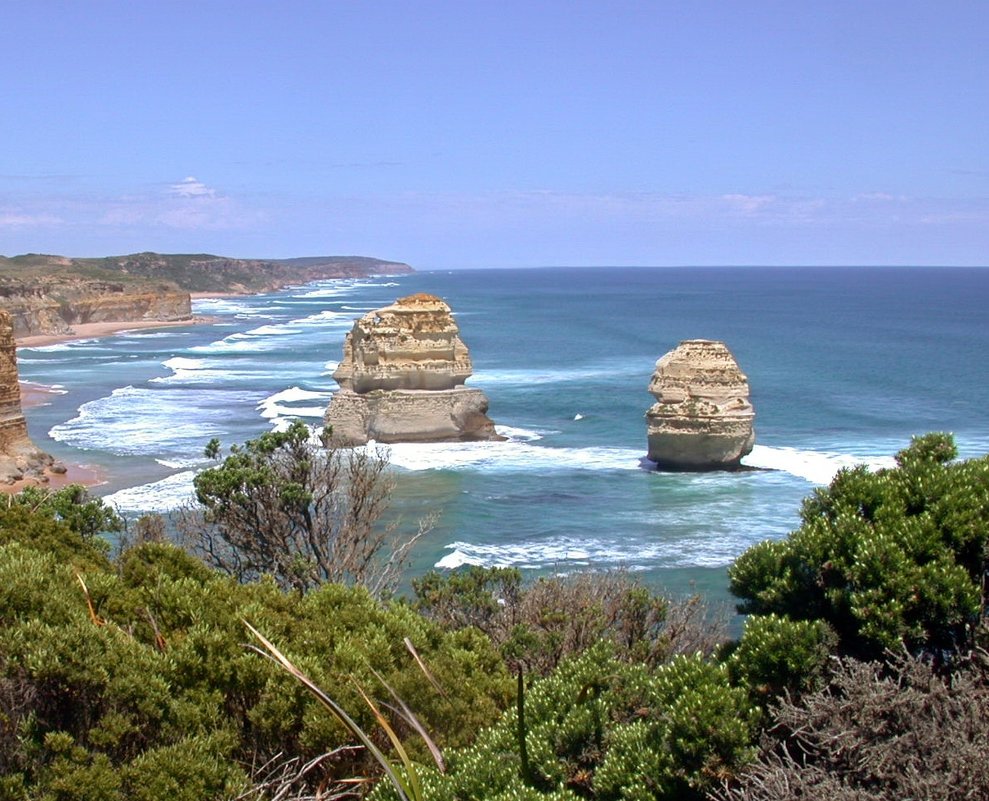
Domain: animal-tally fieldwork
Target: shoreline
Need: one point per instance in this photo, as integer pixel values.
(35, 394)
(105, 329)
(85, 474)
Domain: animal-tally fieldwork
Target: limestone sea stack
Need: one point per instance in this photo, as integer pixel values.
(19, 457)
(402, 379)
(702, 419)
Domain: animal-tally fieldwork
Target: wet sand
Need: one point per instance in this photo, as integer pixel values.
(97, 330)
(87, 475)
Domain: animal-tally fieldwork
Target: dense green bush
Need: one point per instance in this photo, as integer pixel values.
(131, 679)
(886, 559)
(777, 655)
(600, 727)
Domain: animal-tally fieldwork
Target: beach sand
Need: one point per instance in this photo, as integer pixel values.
(96, 330)
(87, 475)
(33, 394)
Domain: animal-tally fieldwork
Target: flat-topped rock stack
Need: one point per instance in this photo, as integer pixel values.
(702, 418)
(402, 379)
(19, 457)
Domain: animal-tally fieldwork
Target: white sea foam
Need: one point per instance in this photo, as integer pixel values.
(202, 371)
(818, 467)
(165, 424)
(273, 407)
(552, 375)
(514, 455)
(75, 344)
(176, 464)
(155, 335)
(214, 306)
(521, 434)
(236, 343)
(568, 552)
(159, 496)
(277, 330)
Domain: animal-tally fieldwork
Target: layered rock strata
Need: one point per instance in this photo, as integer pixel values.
(402, 379)
(702, 418)
(53, 306)
(19, 458)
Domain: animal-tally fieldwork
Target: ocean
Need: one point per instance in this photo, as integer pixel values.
(844, 365)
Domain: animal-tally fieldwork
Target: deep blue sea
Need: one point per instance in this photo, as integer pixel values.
(844, 364)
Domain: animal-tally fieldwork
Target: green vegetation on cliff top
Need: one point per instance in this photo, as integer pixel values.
(199, 272)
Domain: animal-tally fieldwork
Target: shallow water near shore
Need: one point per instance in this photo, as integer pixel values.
(845, 364)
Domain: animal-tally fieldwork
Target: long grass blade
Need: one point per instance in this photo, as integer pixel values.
(409, 716)
(278, 657)
(410, 769)
(422, 666)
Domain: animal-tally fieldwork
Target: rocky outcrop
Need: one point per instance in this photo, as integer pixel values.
(702, 419)
(19, 458)
(402, 379)
(53, 304)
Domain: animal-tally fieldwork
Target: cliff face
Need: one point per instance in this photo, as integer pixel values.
(402, 379)
(702, 419)
(54, 306)
(18, 455)
(48, 294)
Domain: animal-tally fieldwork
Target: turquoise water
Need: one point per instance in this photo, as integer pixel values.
(845, 364)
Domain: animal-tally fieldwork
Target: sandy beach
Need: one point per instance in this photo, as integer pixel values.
(34, 394)
(96, 330)
(87, 475)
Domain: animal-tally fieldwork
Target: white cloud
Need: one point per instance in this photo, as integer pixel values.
(747, 204)
(191, 187)
(14, 219)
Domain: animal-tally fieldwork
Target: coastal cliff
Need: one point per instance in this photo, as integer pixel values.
(402, 379)
(47, 295)
(702, 418)
(53, 305)
(19, 458)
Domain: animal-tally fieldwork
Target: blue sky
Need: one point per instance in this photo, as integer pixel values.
(495, 134)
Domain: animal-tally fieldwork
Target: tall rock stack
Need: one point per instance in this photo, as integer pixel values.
(19, 458)
(702, 419)
(402, 379)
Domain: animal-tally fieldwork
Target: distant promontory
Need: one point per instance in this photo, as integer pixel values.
(48, 294)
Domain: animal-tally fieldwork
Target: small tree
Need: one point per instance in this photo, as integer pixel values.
(283, 505)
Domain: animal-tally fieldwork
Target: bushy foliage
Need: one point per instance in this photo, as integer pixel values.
(65, 522)
(282, 505)
(131, 680)
(599, 727)
(886, 559)
(539, 624)
(776, 656)
(879, 732)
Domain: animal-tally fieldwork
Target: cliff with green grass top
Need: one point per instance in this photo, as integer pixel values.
(47, 294)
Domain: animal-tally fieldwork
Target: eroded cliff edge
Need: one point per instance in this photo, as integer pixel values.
(49, 294)
(402, 379)
(19, 457)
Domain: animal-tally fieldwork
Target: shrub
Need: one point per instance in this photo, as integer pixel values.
(879, 731)
(603, 728)
(539, 624)
(776, 655)
(886, 559)
(138, 685)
